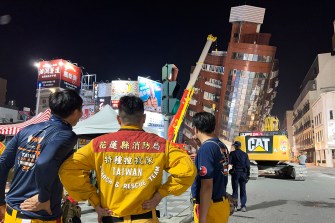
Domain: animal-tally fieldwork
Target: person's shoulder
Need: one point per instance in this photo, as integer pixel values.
(222, 144)
(33, 127)
(241, 151)
(154, 136)
(207, 144)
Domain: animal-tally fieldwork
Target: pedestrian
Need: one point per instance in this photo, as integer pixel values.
(209, 187)
(2, 143)
(240, 173)
(36, 153)
(129, 167)
(302, 158)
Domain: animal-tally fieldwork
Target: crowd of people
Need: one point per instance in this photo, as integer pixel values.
(128, 164)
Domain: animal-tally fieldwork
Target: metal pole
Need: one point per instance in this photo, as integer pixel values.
(165, 175)
(38, 98)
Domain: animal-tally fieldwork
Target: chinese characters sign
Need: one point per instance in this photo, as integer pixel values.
(59, 73)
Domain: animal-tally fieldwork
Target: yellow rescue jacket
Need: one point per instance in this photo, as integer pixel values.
(129, 166)
(2, 148)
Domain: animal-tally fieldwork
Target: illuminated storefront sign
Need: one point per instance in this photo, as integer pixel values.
(151, 93)
(121, 88)
(59, 73)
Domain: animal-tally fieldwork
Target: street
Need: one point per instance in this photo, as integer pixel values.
(271, 200)
(284, 200)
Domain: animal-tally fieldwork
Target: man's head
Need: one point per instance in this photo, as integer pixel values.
(131, 111)
(67, 105)
(204, 122)
(2, 137)
(237, 144)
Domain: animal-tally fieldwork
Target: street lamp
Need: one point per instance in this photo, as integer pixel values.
(38, 97)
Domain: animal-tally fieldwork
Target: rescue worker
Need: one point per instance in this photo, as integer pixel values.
(129, 165)
(239, 174)
(36, 153)
(2, 143)
(209, 187)
(302, 158)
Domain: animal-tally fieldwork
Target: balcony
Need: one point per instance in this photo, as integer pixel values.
(301, 112)
(303, 127)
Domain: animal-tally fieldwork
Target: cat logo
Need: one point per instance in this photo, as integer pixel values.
(259, 144)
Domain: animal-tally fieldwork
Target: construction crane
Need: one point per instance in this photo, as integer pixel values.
(188, 92)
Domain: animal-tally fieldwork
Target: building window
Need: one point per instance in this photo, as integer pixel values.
(331, 116)
(191, 113)
(251, 57)
(213, 68)
(188, 123)
(207, 109)
(209, 96)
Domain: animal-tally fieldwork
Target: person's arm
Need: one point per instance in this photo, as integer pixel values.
(206, 191)
(2, 213)
(74, 174)
(231, 158)
(182, 171)
(50, 160)
(7, 160)
(247, 165)
(47, 167)
(205, 164)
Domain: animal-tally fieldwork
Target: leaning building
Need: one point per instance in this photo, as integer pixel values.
(238, 85)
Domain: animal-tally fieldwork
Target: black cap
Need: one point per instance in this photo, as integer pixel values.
(237, 143)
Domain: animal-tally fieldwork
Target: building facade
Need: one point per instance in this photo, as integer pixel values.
(8, 114)
(319, 79)
(287, 126)
(238, 85)
(323, 110)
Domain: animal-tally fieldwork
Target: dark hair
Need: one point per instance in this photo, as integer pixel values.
(64, 103)
(204, 122)
(131, 109)
(2, 137)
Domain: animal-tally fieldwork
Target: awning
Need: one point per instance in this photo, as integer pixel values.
(13, 129)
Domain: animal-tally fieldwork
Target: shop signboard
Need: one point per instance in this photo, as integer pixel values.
(88, 111)
(151, 93)
(155, 121)
(121, 88)
(59, 73)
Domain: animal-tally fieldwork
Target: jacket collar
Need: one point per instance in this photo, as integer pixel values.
(57, 119)
(131, 127)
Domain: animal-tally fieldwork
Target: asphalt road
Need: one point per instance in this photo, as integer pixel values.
(284, 200)
(273, 200)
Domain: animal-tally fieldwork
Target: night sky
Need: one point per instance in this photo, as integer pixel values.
(136, 38)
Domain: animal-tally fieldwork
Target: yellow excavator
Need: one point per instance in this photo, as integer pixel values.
(269, 152)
